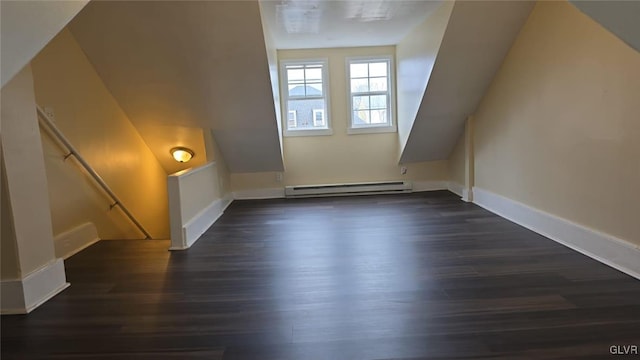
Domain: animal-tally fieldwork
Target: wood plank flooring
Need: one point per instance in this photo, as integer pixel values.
(407, 276)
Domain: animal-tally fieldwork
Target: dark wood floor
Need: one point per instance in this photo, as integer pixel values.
(412, 276)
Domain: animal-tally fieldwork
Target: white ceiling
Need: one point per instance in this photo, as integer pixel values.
(304, 24)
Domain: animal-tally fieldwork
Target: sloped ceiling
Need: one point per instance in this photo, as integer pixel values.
(620, 17)
(179, 67)
(478, 37)
(27, 26)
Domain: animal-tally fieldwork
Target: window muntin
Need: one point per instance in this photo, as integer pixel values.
(370, 93)
(305, 94)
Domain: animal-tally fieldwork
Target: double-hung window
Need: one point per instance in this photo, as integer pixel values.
(370, 95)
(306, 100)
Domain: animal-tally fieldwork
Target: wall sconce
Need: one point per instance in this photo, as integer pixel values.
(182, 154)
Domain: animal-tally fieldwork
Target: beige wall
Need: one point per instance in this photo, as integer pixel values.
(250, 181)
(339, 157)
(161, 138)
(558, 129)
(95, 124)
(76, 199)
(425, 171)
(457, 162)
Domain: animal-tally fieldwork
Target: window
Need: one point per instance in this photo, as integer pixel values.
(305, 97)
(318, 117)
(292, 119)
(370, 95)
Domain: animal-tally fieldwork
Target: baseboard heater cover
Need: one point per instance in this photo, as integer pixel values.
(384, 187)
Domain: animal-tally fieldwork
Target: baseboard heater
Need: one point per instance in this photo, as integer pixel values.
(385, 187)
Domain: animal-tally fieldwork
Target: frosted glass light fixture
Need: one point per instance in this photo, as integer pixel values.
(182, 154)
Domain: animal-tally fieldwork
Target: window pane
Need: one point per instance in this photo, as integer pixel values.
(294, 75)
(359, 85)
(378, 84)
(304, 111)
(378, 69)
(361, 117)
(296, 90)
(379, 116)
(359, 70)
(314, 89)
(370, 84)
(304, 97)
(378, 102)
(314, 74)
(360, 102)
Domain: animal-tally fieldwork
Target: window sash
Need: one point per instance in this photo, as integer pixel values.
(298, 97)
(373, 93)
(312, 77)
(367, 113)
(305, 82)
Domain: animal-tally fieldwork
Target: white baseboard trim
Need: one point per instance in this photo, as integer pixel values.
(75, 240)
(195, 227)
(459, 189)
(21, 296)
(467, 195)
(617, 253)
(255, 194)
(419, 186)
(455, 188)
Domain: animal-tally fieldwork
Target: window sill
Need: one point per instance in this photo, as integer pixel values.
(318, 132)
(371, 130)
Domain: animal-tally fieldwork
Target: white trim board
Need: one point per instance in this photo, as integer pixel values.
(460, 190)
(255, 194)
(467, 195)
(607, 249)
(21, 296)
(196, 226)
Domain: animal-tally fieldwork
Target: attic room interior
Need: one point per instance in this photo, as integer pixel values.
(312, 179)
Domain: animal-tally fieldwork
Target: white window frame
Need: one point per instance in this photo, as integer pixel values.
(284, 94)
(391, 100)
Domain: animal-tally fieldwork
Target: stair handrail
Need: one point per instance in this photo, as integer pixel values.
(46, 120)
